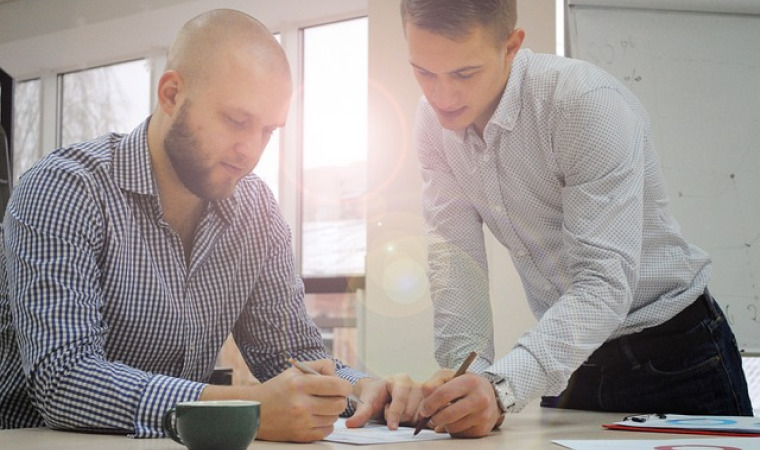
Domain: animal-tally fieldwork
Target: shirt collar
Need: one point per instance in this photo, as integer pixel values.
(508, 109)
(132, 166)
(133, 171)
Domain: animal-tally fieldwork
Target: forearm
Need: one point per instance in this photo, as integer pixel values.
(546, 356)
(460, 293)
(99, 395)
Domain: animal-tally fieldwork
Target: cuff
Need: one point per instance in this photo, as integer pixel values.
(161, 394)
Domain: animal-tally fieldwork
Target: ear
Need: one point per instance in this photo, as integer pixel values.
(514, 42)
(170, 87)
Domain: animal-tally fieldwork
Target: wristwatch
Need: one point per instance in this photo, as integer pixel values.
(504, 397)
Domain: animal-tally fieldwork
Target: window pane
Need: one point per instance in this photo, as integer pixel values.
(334, 149)
(335, 315)
(560, 25)
(104, 99)
(26, 126)
(268, 168)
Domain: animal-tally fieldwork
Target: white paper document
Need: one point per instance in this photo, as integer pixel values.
(376, 433)
(741, 443)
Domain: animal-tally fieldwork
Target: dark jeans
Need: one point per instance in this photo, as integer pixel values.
(688, 365)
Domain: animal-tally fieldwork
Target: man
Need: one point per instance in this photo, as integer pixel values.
(131, 258)
(556, 158)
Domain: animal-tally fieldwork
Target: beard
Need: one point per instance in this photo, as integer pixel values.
(189, 163)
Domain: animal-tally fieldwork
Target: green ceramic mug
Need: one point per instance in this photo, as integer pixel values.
(214, 425)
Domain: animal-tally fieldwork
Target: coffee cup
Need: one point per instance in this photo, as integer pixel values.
(214, 425)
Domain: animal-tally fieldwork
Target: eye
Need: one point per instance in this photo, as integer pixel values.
(464, 75)
(236, 123)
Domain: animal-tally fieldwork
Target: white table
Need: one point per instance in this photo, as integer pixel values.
(532, 429)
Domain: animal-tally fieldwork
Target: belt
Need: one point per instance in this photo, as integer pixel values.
(662, 340)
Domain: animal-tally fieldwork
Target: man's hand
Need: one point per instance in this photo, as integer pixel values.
(295, 407)
(464, 406)
(395, 398)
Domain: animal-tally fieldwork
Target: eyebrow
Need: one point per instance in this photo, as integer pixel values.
(460, 70)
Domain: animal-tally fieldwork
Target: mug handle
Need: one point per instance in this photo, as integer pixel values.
(170, 425)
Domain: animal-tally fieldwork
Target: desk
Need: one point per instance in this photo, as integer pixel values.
(532, 429)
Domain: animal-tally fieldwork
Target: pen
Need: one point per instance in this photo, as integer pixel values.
(306, 369)
(462, 369)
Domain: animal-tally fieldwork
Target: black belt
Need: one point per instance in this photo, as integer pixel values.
(666, 339)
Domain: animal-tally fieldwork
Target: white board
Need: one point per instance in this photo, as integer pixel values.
(695, 65)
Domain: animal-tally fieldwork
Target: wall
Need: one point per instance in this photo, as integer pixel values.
(398, 311)
(702, 93)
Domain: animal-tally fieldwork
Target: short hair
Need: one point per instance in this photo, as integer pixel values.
(455, 19)
(217, 32)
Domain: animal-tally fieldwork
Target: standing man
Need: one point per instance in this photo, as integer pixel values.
(131, 258)
(556, 158)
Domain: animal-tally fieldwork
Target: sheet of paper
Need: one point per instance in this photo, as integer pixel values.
(717, 424)
(744, 443)
(375, 433)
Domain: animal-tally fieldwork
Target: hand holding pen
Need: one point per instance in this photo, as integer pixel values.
(462, 370)
(394, 398)
(308, 370)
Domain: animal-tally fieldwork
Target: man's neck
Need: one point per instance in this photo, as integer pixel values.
(183, 216)
(182, 210)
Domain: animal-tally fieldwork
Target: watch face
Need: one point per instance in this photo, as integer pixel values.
(506, 399)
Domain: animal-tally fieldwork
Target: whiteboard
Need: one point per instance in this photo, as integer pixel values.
(695, 64)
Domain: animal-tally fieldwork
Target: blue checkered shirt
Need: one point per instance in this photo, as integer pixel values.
(104, 325)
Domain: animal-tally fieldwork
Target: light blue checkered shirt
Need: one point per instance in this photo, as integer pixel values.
(113, 326)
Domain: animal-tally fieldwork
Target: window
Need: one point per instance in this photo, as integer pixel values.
(268, 167)
(334, 149)
(104, 99)
(560, 27)
(334, 173)
(26, 126)
(335, 315)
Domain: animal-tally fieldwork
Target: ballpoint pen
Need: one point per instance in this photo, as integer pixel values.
(306, 369)
(462, 369)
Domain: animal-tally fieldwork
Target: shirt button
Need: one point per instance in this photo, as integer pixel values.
(498, 208)
(548, 287)
(522, 253)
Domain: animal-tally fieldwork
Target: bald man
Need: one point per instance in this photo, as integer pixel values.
(131, 258)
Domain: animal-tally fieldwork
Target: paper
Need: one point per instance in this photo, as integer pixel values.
(675, 423)
(376, 433)
(664, 444)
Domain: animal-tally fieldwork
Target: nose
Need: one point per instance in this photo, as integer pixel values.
(258, 137)
(251, 146)
(444, 94)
